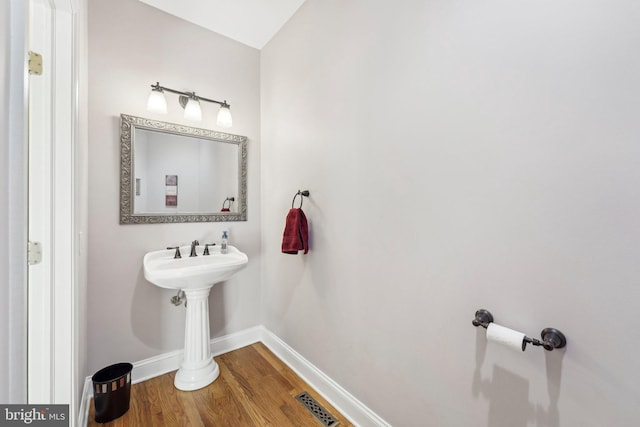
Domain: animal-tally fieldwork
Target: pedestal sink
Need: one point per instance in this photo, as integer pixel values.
(195, 276)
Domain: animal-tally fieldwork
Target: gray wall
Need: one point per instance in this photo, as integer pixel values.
(460, 155)
(131, 46)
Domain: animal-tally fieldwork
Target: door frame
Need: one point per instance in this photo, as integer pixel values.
(14, 184)
(54, 377)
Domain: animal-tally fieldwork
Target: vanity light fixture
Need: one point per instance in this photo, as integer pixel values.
(192, 110)
(157, 103)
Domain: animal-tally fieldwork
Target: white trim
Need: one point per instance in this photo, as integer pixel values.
(357, 412)
(40, 369)
(15, 184)
(350, 407)
(167, 362)
(83, 412)
(63, 345)
(54, 139)
(155, 366)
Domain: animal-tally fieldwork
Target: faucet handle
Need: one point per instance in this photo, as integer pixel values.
(194, 244)
(206, 248)
(177, 254)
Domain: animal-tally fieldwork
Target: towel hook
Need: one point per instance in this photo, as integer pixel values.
(302, 193)
(228, 199)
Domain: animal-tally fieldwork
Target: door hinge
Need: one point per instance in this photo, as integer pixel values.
(35, 63)
(34, 253)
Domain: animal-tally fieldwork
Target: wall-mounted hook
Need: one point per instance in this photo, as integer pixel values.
(227, 208)
(302, 194)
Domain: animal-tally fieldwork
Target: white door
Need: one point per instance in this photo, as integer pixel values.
(40, 216)
(52, 141)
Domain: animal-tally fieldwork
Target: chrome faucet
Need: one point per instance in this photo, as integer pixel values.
(193, 248)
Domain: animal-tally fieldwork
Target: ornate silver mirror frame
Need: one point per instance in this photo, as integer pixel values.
(128, 125)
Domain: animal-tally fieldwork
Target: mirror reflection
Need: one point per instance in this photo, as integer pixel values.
(175, 173)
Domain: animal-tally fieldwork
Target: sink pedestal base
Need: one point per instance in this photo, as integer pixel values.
(198, 368)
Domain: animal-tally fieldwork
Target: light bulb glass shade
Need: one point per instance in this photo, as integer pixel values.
(192, 110)
(157, 102)
(224, 117)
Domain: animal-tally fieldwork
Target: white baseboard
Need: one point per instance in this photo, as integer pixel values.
(167, 362)
(344, 402)
(87, 393)
(159, 365)
(357, 412)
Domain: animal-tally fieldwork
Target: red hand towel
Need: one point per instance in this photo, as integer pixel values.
(296, 233)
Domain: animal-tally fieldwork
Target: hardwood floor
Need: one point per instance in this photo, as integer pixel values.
(254, 388)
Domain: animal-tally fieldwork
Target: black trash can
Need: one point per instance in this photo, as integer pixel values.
(111, 391)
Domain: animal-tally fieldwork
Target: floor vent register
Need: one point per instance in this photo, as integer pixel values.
(317, 410)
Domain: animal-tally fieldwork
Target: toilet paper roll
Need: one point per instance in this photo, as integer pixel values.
(505, 336)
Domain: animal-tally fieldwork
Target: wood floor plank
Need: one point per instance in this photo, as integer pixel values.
(254, 388)
(242, 377)
(300, 385)
(226, 408)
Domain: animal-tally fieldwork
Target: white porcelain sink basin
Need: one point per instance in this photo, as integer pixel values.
(202, 271)
(195, 276)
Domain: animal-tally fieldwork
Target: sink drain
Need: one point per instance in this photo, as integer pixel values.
(317, 410)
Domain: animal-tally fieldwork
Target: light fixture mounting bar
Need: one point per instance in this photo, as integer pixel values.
(189, 95)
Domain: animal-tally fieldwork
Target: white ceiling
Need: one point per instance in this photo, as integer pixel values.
(252, 22)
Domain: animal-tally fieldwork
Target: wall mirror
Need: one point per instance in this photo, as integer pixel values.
(176, 173)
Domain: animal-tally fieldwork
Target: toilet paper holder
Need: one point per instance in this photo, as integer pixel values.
(551, 337)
